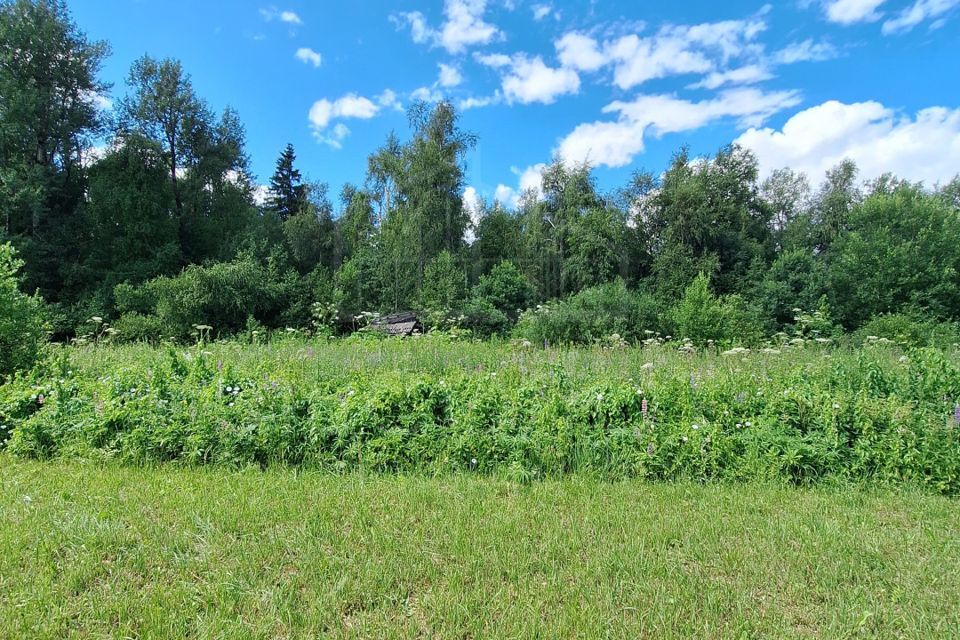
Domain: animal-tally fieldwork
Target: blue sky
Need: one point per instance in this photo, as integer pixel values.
(621, 84)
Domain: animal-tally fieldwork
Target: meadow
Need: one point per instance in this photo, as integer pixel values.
(106, 551)
(435, 487)
(800, 413)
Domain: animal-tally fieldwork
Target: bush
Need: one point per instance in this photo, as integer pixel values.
(911, 329)
(137, 327)
(702, 317)
(506, 289)
(222, 295)
(22, 328)
(591, 316)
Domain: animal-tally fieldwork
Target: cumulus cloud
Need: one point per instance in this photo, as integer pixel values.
(308, 56)
(615, 143)
(463, 27)
(923, 147)
(530, 181)
(450, 76)
(852, 11)
(580, 52)
(672, 50)
(527, 80)
(324, 112)
(474, 102)
(919, 11)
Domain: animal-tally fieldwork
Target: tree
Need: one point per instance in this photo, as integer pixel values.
(203, 155)
(788, 196)
(49, 118)
(287, 193)
(21, 319)
(899, 253)
(498, 237)
(506, 289)
(707, 212)
(444, 284)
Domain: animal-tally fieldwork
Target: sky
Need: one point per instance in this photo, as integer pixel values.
(620, 84)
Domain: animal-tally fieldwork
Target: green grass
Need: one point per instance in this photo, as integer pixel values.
(89, 551)
(800, 414)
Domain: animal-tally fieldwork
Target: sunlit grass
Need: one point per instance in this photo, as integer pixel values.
(91, 552)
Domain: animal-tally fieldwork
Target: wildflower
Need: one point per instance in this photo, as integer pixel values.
(643, 408)
(599, 397)
(650, 449)
(748, 423)
(219, 365)
(956, 415)
(695, 427)
(40, 399)
(230, 405)
(739, 425)
(684, 438)
(836, 405)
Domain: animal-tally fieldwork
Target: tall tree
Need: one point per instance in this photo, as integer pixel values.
(287, 192)
(49, 118)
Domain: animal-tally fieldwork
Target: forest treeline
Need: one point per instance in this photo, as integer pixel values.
(145, 215)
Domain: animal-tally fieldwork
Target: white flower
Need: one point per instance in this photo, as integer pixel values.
(684, 438)
(749, 424)
(599, 397)
(695, 427)
(836, 405)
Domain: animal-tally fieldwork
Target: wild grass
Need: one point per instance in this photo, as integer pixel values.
(801, 414)
(93, 551)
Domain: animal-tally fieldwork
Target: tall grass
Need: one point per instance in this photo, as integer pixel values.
(800, 414)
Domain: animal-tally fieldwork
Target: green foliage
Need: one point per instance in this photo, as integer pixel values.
(444, 284)
(900, 252)
(877, 414)
(222, 295)
(589, 316)
(703, 318)
(505, 289)
(22, 330)
(911, 329)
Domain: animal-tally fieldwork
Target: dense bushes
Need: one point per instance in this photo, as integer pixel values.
(593, 314)
(22, 333)
(877, 414)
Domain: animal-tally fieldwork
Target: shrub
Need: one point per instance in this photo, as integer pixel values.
(590, 316)
(702, 317)
(506, 289)
(22, 329)
(911, 329)
(137, 327)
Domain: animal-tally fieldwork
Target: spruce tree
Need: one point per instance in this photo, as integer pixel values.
(287, 193)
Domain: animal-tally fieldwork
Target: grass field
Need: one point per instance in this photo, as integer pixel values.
(90, 552)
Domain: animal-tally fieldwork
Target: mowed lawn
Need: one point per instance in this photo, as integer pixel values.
(91, 552)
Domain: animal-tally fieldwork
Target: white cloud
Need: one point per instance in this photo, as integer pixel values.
(475, 103)
(426, 94)
(388, 100)
(272, 13)
(918, 12)
(750, 74)
(924, 147)
(530, 80)
(806, 51)
(494, 60)
(615, 143)
(580, 52)
(324, 112)
(290, 17)
(99, 101)
(450, 76)
(472, 205)
(673, 50)
(308, 56)
(541, 11)
(464, 26)
(530, 180)
(852, 11)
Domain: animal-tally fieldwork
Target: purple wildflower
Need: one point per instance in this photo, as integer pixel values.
(40, 399)
(643, 408)
(956, 415)
(219, 365)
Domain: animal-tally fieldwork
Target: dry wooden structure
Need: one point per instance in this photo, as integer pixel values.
(398, 324)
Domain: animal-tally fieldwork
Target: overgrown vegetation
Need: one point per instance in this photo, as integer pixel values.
(800, 413)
